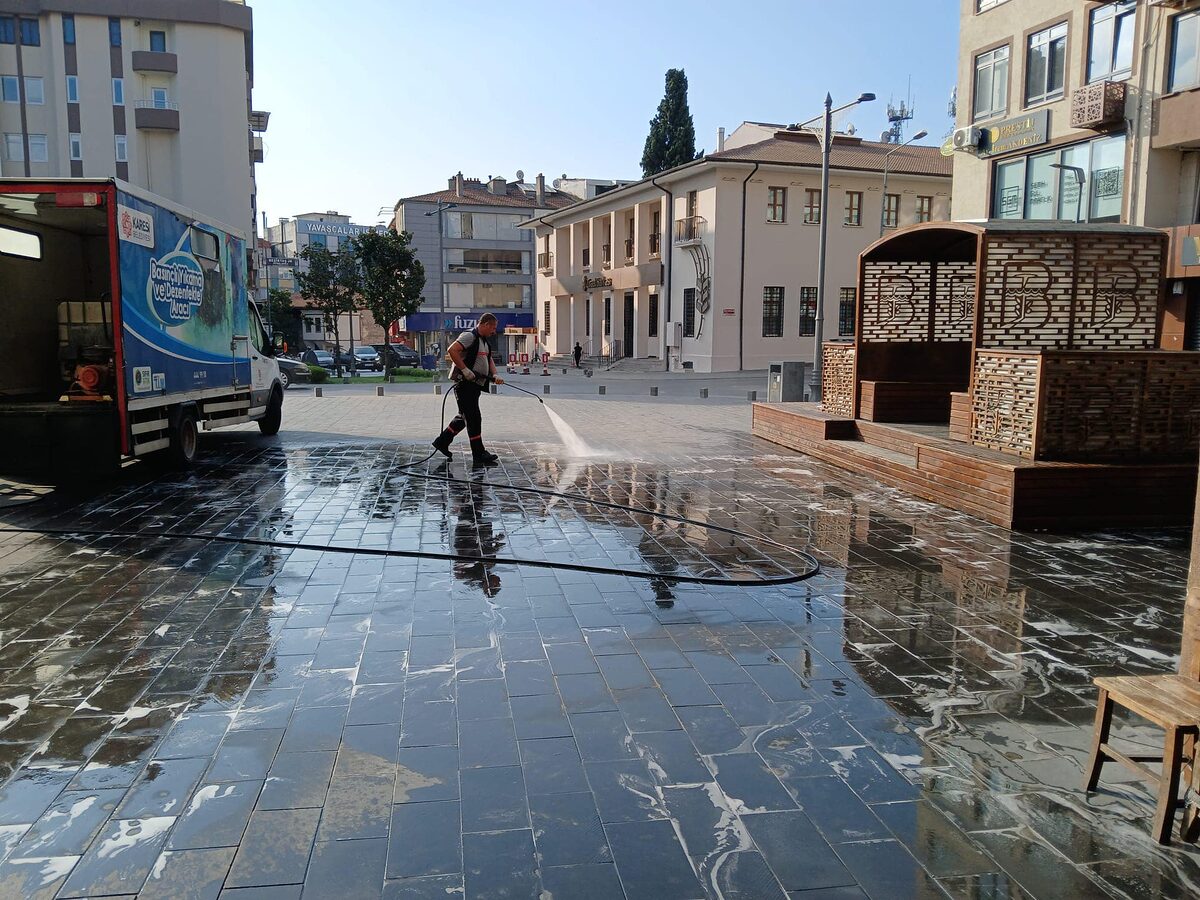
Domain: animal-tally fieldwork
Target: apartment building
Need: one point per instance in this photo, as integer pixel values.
(477, 257)
(712, 266)
(1087, 111)
(150, 91)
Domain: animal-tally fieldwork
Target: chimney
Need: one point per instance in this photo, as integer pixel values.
(720, 139)
(539, 195)
(496, 185)
(458, 185)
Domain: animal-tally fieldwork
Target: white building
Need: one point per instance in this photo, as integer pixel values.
(714, 263)
(150, 91)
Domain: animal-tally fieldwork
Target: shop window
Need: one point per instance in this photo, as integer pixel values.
(1033, 188)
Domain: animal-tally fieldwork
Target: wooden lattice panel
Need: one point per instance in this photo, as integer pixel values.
(1027, 291)
(837, 377)
(954, 301)
(1116, 307)
(1120, 407)
(1004, 401)
(895, 301)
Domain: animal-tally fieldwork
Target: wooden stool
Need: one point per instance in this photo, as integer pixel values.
(1170, 701)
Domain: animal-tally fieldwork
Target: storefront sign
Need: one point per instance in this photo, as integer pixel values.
(338, 229)
(1018, 133)
(463, 321)
(599, 281)
(518, 329)
(728, 311)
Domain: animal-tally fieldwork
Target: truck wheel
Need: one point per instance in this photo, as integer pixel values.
(273, 418)
(185, 438)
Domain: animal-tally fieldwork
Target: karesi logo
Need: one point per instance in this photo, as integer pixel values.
(134, 226)
(126, 225)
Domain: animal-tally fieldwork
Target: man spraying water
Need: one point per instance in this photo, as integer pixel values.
(472, 368)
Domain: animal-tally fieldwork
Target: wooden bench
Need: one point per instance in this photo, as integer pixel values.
(906, 401)
(1173, 703)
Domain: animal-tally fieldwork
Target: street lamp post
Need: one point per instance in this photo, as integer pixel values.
(1080, 178)
(442, 206)
(826, 145)
(887, 159)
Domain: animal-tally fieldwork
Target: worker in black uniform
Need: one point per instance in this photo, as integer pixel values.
(472, 367)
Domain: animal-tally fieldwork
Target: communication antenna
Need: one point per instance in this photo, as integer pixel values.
(898, 116)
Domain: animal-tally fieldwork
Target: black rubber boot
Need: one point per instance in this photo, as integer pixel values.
(442, 444)
(481, 457)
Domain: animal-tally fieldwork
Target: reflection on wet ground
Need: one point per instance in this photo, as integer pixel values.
(191, 718)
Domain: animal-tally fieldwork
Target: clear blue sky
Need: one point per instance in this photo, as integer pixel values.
(373, 100)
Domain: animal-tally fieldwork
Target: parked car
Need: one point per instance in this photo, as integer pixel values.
(401, 356)
(322, 358)
(292, 371)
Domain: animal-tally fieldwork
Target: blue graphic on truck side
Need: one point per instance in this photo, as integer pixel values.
(175, 288)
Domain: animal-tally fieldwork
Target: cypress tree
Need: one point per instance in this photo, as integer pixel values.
(672, 138)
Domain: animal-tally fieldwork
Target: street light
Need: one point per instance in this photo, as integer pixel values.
(1080, 178)
(442, 206)
(887, 159)
(826, 145)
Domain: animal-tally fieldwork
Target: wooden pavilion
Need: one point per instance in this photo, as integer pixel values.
(1012, 370)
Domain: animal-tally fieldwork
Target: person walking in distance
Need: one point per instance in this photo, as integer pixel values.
(578, 351)
(472, 368)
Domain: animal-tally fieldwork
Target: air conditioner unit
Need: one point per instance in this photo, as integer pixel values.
(968, 138)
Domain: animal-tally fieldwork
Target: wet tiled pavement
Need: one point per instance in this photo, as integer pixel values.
(190, 718)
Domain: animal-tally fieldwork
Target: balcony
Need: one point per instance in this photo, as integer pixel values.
(1177, 123)
(545, 263)
(629, 251)
(689, 231)
(156, 115)
(1097, 105)
(256, 149)
(655, 241)
(155, 61)
(606, 256)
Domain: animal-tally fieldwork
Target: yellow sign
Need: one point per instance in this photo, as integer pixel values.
(947, 149)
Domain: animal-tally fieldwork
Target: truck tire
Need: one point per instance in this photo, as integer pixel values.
(273, 418)
(185, 438)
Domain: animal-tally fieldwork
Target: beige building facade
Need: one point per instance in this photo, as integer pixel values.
(154, 92)
(712, 266)
(1072, 109)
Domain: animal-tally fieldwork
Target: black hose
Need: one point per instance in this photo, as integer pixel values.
(812, 567)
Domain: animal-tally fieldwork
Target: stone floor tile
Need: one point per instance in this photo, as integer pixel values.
(275, 848)
(651, 861)
(195, 874)
(567, 830)
(215, 816)
(425, 840)
(499, 864)
(347, 869)
(120, 858)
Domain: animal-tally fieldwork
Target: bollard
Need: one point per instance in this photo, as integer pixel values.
(703, 393)
(379, 391)
(602, 389)
(319, 393)
(437, 389)
(545, 388)
(564, 371)
(654, 391)
(752, 396)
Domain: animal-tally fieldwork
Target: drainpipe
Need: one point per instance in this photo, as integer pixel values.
(1135, 126)
(21, 97)
(666, 240)
(742, 287)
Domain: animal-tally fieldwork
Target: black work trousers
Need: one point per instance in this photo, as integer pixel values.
(466, 395)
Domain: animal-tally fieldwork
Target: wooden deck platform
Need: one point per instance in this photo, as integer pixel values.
(998, 487)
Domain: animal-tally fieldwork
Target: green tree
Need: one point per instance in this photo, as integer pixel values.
(283, 317)
(672, 138)
(392, 279)
(331, 285)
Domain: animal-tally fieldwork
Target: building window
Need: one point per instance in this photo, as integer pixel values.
(924, 208)
(985, 5)
(68, 29)
(118, 91)
(1031, 188)
(10, 89)
(772, 325)
(608, 316)
(808, 311)
(891, 210)
(1185, 51)
(991, 84)
(158, 97)
(546, 317)
(652, 323)
(122, 148)
(158, 41)
(76, 146)
(31, 33)
(776, 204)
(587, 317)
(1110, 41)
(847, 300)
(39, 148)
(8, 30)
(853, 207)
(1045, 64)
(587, 257)
(14, 148)
(114, 32)
(812, 206)
(689, 312)
(72, 88)
(693, 204)
(35, 91)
